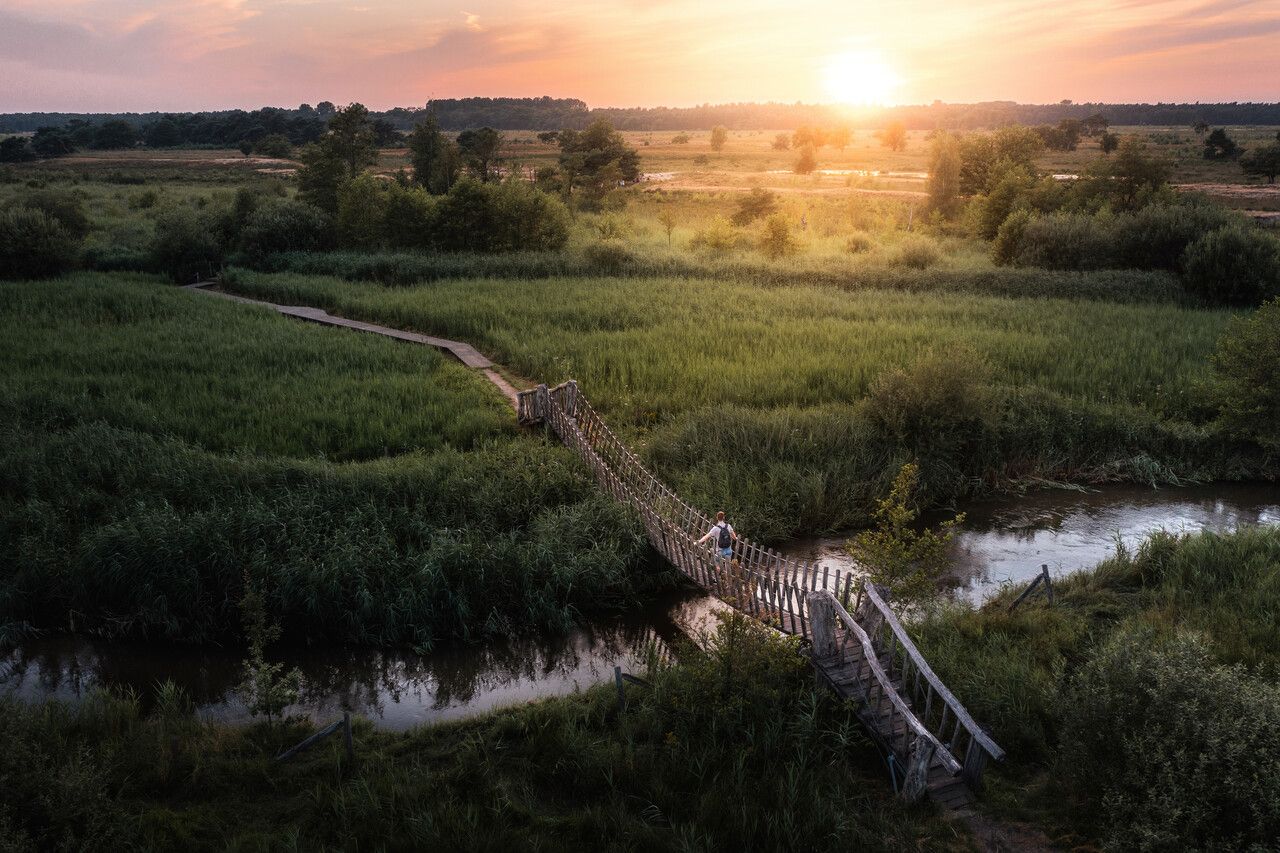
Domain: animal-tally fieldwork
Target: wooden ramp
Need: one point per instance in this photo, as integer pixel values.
(857, 644)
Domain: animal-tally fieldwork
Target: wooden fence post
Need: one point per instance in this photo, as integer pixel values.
(822, 620)
(917, 782)
(346, 735)
(622, 693)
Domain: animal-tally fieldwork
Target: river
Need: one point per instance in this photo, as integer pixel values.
(1000, 542)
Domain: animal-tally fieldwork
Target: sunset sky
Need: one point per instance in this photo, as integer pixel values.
(204, 54)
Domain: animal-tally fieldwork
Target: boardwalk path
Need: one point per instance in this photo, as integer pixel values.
(858, 646)
(463, 352)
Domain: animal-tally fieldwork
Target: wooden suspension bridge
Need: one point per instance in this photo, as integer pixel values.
(858, 645)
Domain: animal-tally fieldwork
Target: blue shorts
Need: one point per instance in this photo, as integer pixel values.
(725, 553)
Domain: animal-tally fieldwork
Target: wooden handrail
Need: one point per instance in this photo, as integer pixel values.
(886, 687)
(922, 666)
(765, 585)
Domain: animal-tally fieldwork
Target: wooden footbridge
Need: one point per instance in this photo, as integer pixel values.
(858, 646)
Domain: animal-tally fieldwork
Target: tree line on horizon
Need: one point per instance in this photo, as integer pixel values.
(305, 123)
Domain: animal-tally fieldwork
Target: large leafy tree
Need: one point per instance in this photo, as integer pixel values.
(436, 159)
(1263, 162)
(596, 160)
(480, 149)
(341, 154)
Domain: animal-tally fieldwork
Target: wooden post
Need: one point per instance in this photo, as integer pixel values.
(346, 735)
(622, 694)
(1048, 583)
(917, 782)
(822, 620)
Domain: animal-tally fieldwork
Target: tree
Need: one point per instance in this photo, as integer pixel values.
(187, 244)
(549, 137)
(266, 688)
(680, 139)
(246, 147)
(719, 135)
(1201, 127)
(115, 134)
(1095, 124)
(944, 174)
(338, 156)
(806, 162)
(668, 221)
(777, 240)
(1219, 146)
(1263, 162)
(897, 553)
(325, 110)
(894, 136)
(385, 134)
(1130, 178)
(361, 205)
(350, 138)
(781, 142)
(1108, 142)
(839, 137)
(596, 160)
(436, 159)
(1247, 365)
(52, 142)
(813, 137)
(162, 134)
(285, 225)
(15, 149)
(33, 245)
(479, 149)
(754, 205)
(274, 145)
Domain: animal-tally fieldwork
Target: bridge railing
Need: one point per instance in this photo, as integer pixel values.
(777, 590)
(935, 706)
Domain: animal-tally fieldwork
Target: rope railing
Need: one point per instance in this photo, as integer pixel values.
(901, 695)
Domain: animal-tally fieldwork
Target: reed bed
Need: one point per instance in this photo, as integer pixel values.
(159, 449)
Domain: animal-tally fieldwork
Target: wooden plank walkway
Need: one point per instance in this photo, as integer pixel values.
(858, 645)
(463, 352)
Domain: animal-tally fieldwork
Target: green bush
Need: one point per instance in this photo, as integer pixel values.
(33, 244)
(1233, 265)
(188, 244)
(1004, 251)
(1181, 752)
(285, 225)
(777, 241)
(63, 206)
(526, 218)
(608, 257)
(1247, 364)
(1156, 236)
(916, 253)
(1060, 241)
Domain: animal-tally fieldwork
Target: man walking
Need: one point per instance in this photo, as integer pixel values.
(724, 535)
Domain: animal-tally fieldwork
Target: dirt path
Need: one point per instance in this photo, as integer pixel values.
(463, 352)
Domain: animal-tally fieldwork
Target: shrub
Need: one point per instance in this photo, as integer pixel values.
(777, 241)
(187, 244)
(62, 206)
(1247, 364)
(717, 238)
(915, 253)
(1233, 265)
(607, 256)
(806, 161)
(938, 410)
(362, 203)
(1157, 236)
(754, 205)
(1064, 241)
(285, 226)
(527, 219)
(274, 145)
(859, 242)
(1009, 237)
(33, 244)
(409, 217)
(1181, 752)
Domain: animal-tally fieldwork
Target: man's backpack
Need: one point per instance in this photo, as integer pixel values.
(725, 539)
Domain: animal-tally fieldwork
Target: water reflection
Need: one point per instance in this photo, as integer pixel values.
(1007, 541)
(1001, 542)
(396, 689)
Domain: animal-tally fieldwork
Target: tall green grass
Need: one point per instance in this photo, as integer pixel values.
(757, 399)
(160, 448)
(625, 260)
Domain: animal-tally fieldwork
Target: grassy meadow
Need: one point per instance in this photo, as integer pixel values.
(765, 400)
(165, 450)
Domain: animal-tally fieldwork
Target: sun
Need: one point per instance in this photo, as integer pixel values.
(860, 77)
